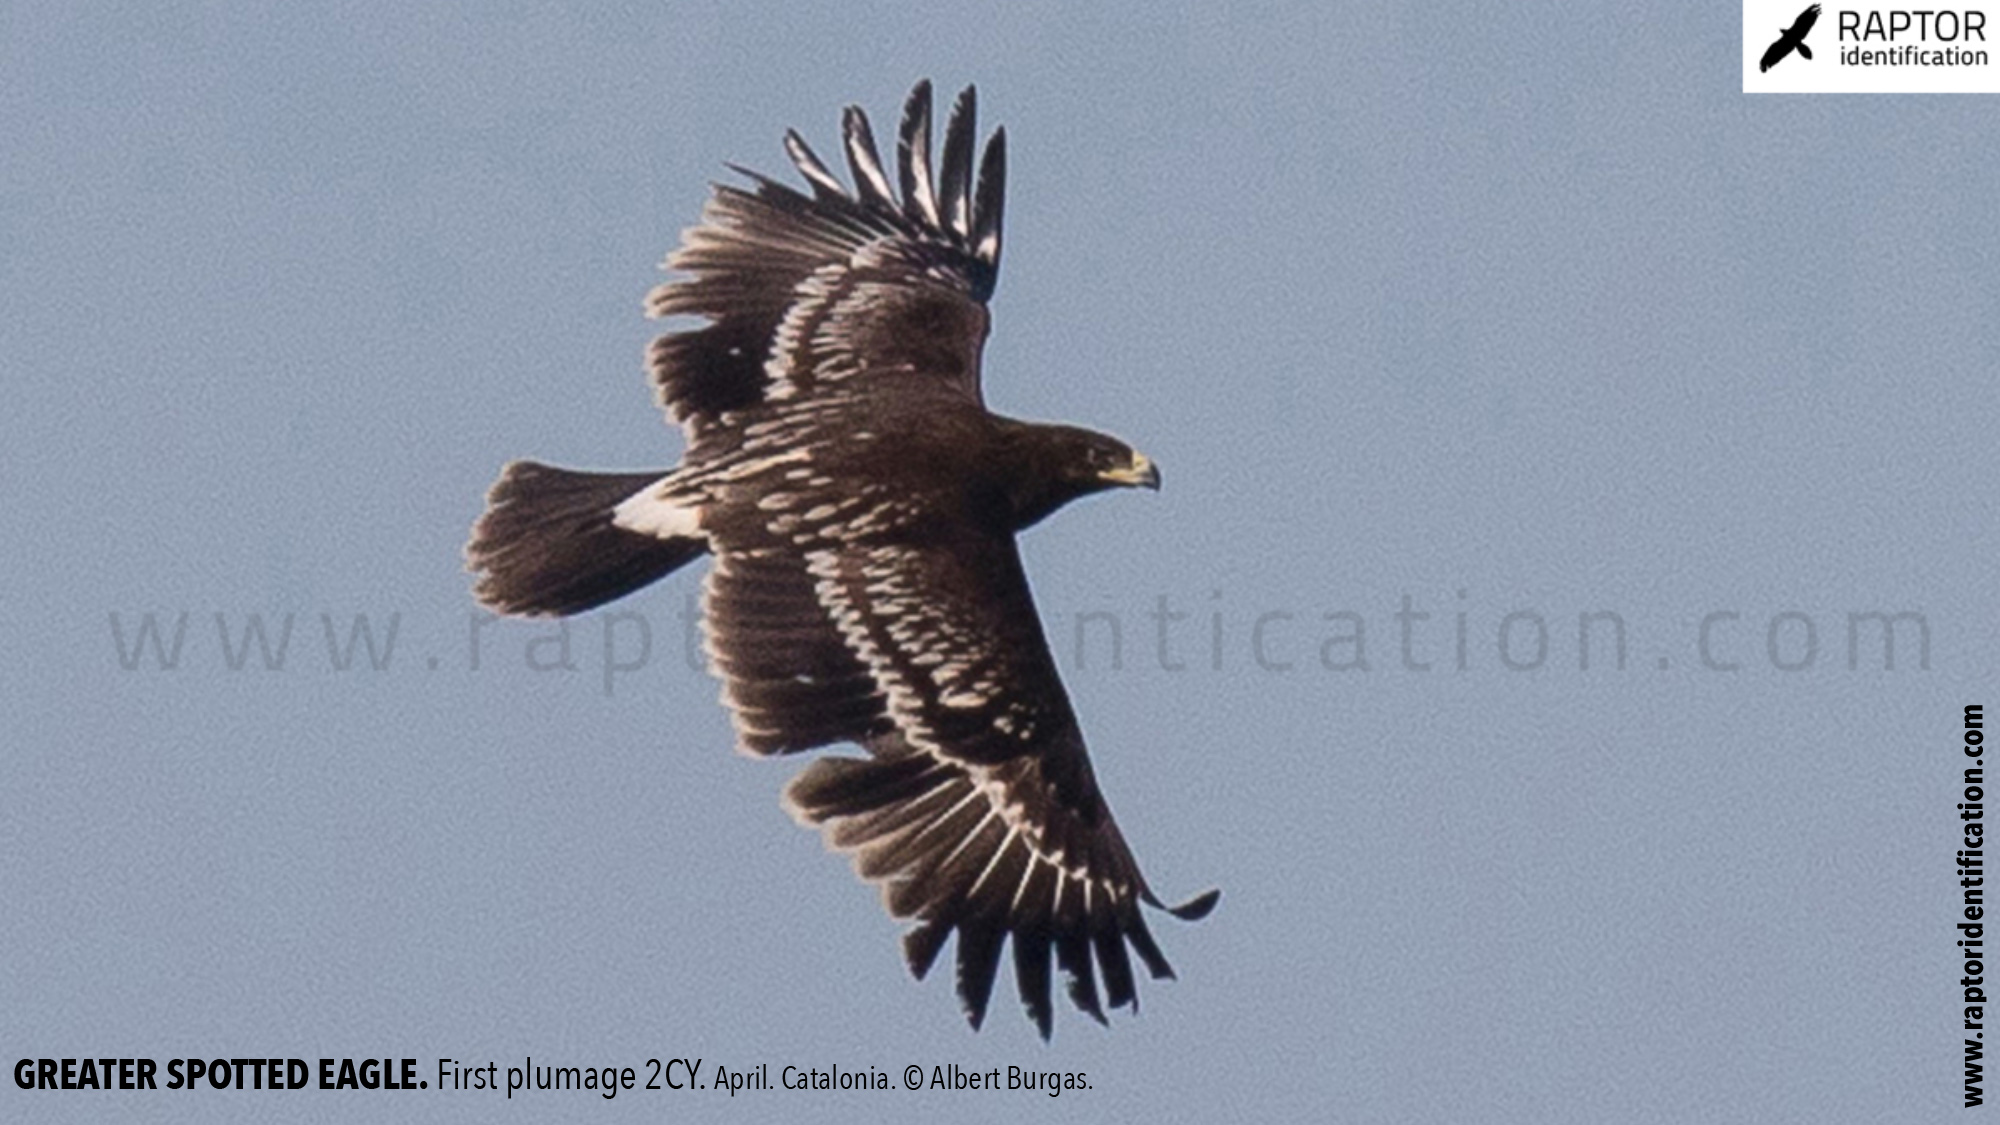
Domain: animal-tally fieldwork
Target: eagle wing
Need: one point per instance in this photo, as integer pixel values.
(1804, 24)
(977, 810)
(1775, 52)
(801, 293)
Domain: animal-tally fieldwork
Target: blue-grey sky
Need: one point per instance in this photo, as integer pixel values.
(1517, 312)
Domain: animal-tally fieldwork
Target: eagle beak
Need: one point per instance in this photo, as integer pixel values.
(1141, 473)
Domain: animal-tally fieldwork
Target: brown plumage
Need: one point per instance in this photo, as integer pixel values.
(861, 504)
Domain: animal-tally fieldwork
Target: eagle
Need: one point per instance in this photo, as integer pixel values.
(861, 505)
(1791, 39)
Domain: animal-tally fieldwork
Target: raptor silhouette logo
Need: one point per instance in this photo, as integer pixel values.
(1791, 39)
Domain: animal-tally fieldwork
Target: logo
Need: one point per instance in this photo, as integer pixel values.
(1854, 47)
(1791, 39)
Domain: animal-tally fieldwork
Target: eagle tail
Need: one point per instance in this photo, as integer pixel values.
(546, 545)
(1804, 51)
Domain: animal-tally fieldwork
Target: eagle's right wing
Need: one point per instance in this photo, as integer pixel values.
(980, 814)
(977, 811)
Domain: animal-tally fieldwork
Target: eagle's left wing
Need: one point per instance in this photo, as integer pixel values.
(814, 295)
(979, 813)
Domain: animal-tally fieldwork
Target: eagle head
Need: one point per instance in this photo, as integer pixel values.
(1110, 463)
(1053, 465)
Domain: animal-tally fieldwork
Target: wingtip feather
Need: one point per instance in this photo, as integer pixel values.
(870, 183)
(990, 199)
(824, 182)
(955, 170)
(913, 156)
(1198, 907)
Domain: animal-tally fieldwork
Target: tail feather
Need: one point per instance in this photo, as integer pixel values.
(546, 545)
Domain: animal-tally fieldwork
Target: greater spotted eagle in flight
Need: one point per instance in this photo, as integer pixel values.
(1791, 39)
(861, 505)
